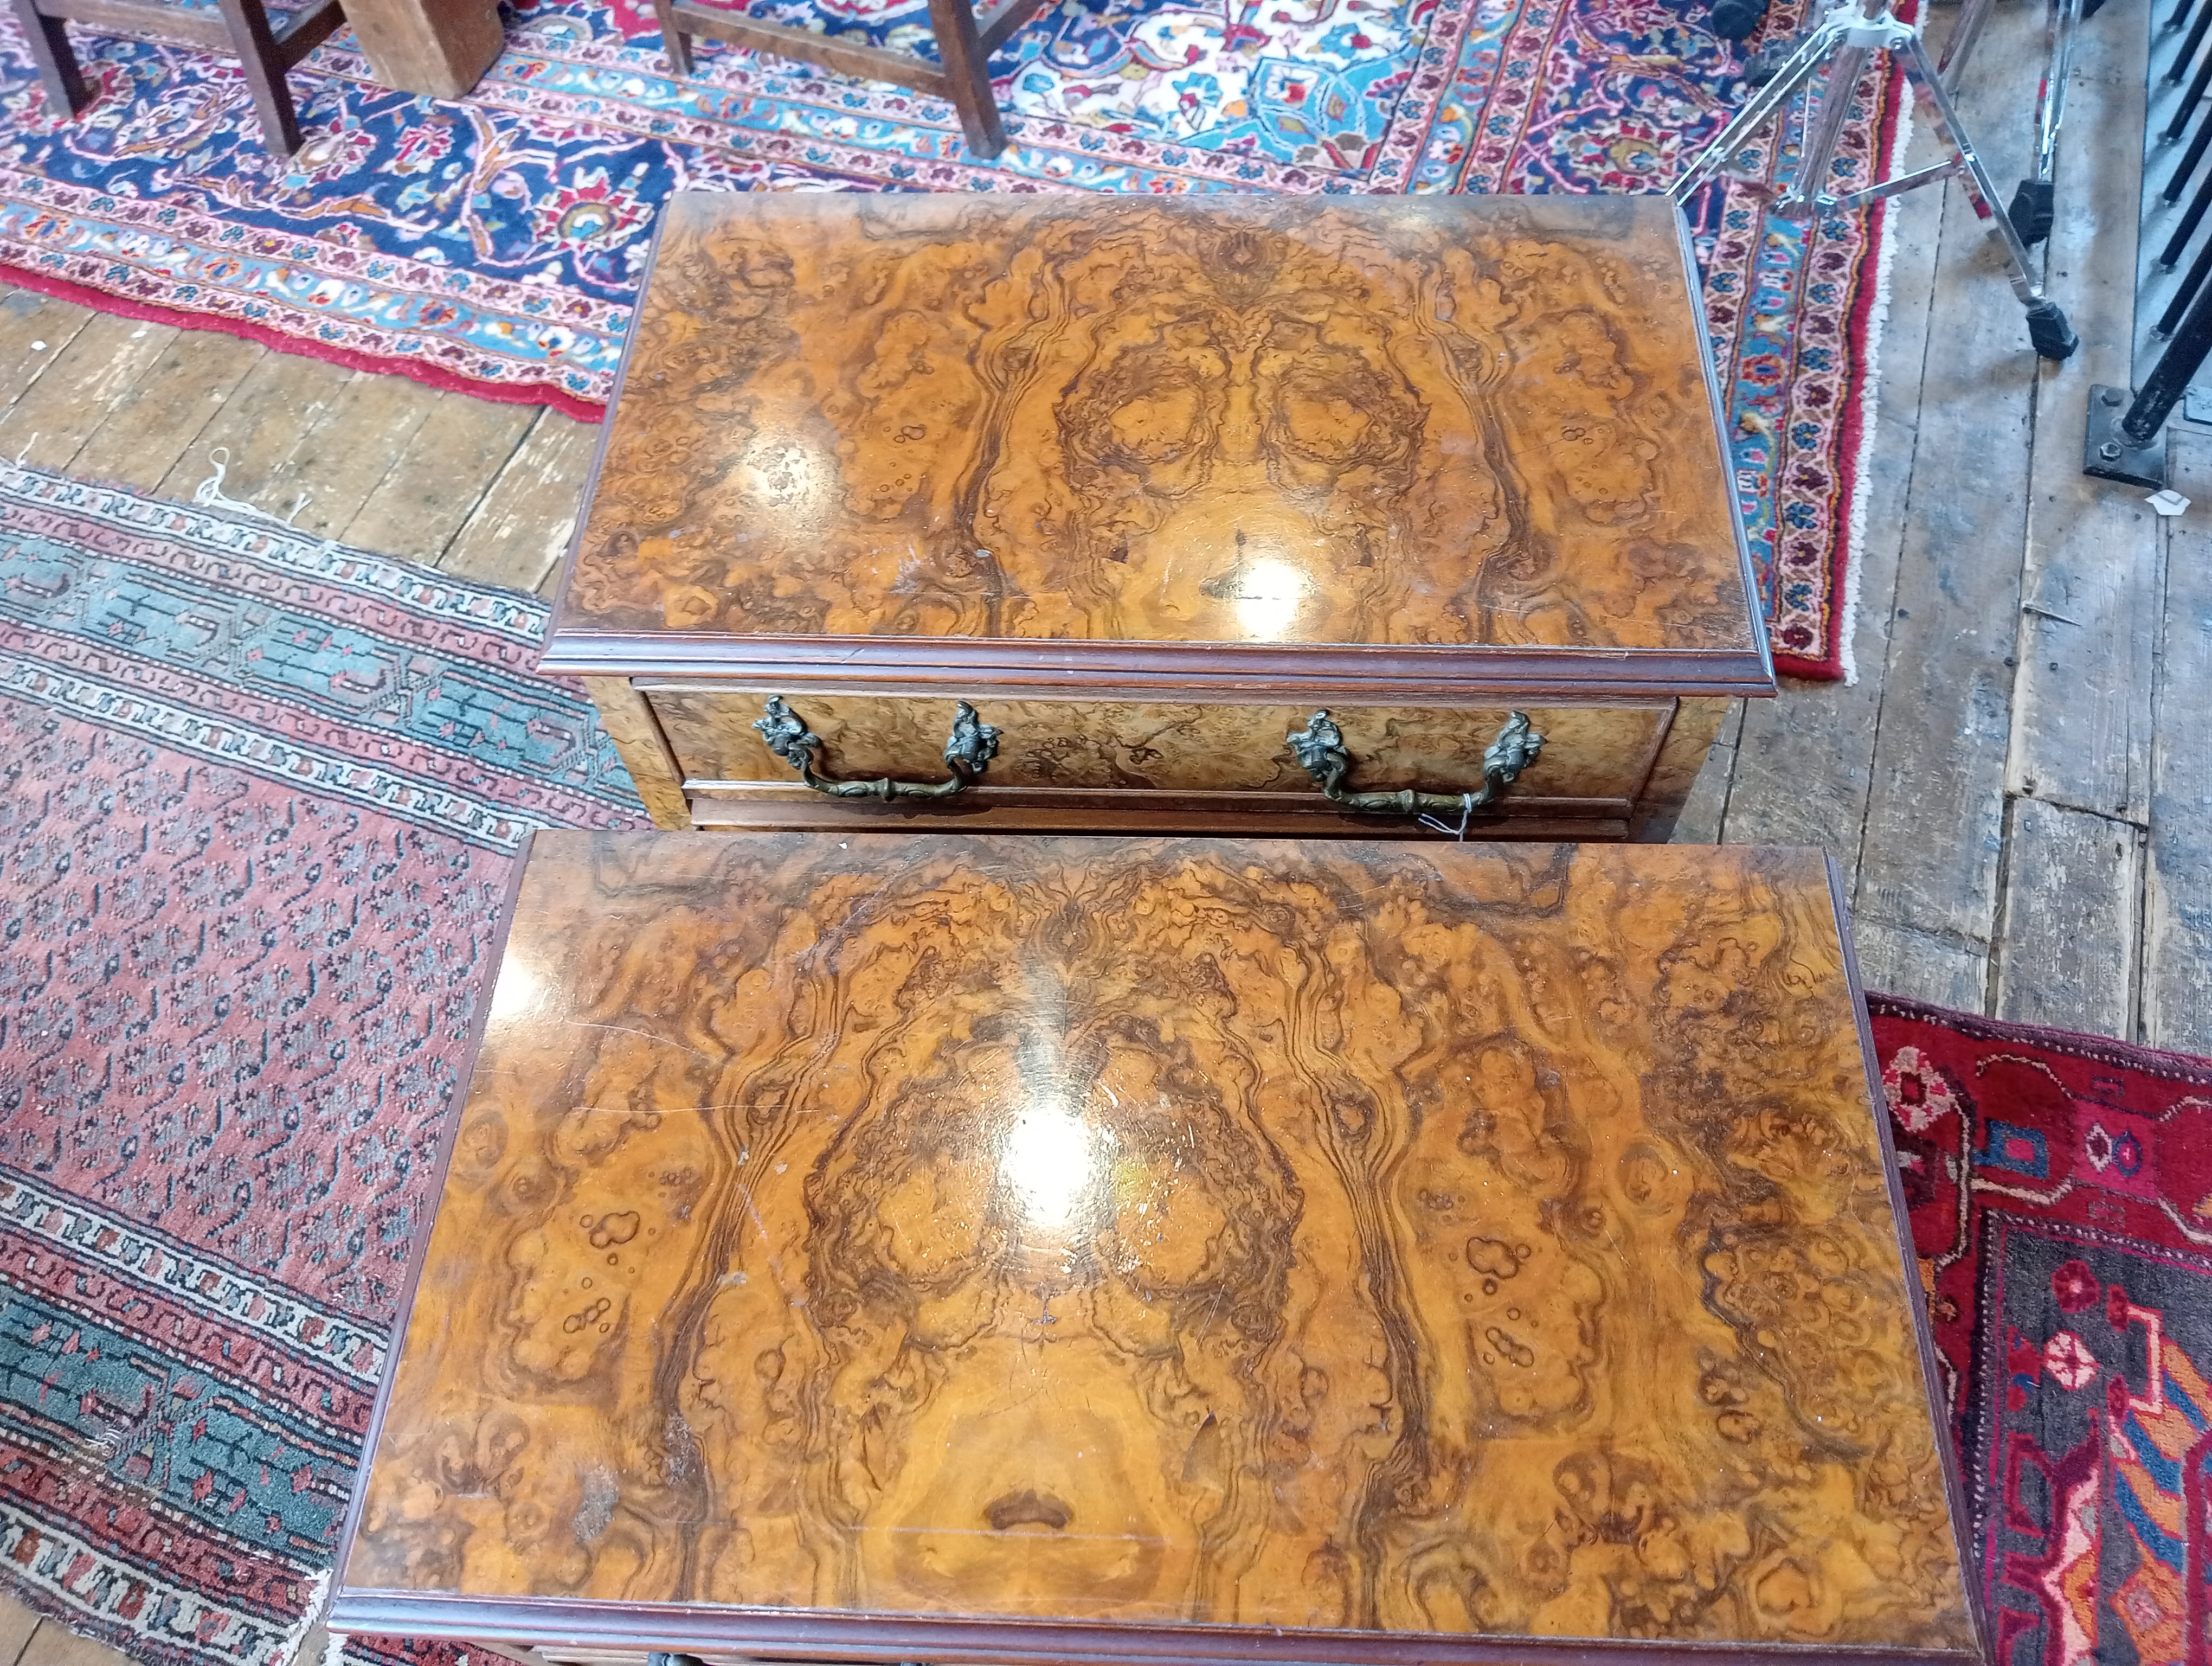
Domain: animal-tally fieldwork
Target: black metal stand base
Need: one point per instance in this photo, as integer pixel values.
(2048, 332)
(2034, 206)
(2107, 451)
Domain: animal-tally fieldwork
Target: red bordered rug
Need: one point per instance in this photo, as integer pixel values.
(2061, 1195)
(495, 245)
(259, 798)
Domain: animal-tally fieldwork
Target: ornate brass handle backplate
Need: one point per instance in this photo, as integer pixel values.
(967, 754)
(1320, 747)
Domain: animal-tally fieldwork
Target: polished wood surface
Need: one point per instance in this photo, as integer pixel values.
(1458, 1240)
(1433, 420)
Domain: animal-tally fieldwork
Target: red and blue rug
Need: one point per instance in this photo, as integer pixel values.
(259, 798)
(495, 245)
(2061, 1194)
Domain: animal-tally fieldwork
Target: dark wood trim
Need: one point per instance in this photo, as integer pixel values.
(805, 46)
(801, 683)
(967, 75)
(256, 46)
(307, 29)
(822, 1635)
(1916, 1298)
(1695, 287)
(197, 28)
(1515, 807)
(994, 26)
(66, 90)
(419, 1244)
(817, 814)
(1204, 672)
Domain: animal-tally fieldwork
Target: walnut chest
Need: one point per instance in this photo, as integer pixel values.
(962, 1248)
(1384, 514)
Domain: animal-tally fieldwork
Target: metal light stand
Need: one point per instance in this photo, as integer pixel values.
(1842, 40)
(2034, 204)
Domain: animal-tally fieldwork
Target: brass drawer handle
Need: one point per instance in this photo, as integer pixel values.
(1320, 747)
(967, 754)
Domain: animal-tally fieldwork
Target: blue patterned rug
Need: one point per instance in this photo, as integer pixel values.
(495, 245)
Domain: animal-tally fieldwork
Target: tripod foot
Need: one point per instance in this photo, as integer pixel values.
(2052, 337)
(2033, 207)
(1734, 20)
(1767, 62)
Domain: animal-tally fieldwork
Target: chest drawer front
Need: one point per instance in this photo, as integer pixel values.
(1589, 752)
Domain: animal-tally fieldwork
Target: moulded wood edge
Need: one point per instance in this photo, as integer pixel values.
(1202, 672)
(824, 1634)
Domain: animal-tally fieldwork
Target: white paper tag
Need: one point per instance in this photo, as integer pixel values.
(2167, 502)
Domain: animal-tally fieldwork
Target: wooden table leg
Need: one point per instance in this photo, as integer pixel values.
(67, 91)
(440, 47)
(967, 67)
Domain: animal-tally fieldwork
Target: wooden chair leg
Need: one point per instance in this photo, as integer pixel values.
(256, 45)
(66, 89)
(969, 71)
(674, 38)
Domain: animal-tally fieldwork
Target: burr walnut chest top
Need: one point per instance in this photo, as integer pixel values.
(945, 1248)
(1146, 484)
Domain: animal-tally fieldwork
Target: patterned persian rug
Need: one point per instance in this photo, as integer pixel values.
(2061, 1194)
(495, 245)
(259, 799)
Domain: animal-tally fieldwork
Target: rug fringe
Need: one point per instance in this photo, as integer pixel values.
(1877, 323)
(285, 1652)
(283, 341)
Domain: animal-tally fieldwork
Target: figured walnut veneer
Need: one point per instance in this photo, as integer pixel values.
(1488, 1242)
(1390, 421)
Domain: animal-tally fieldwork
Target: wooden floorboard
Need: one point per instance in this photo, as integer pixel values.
(33, 330)
(150, 425)
(360, 445)
(2177, 935)
(17, 1622)
(53, 1645)
(2072, 885)
(519, 531)
(1935, 827)
(2081, 731)
(437, 479)
(1997, 864)
(1705, 810)
(47, 424)
(261, 432)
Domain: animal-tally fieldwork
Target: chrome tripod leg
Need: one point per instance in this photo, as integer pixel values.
(2051, 103)
(1813, 181)
(2047, 328)
(1757, 112)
